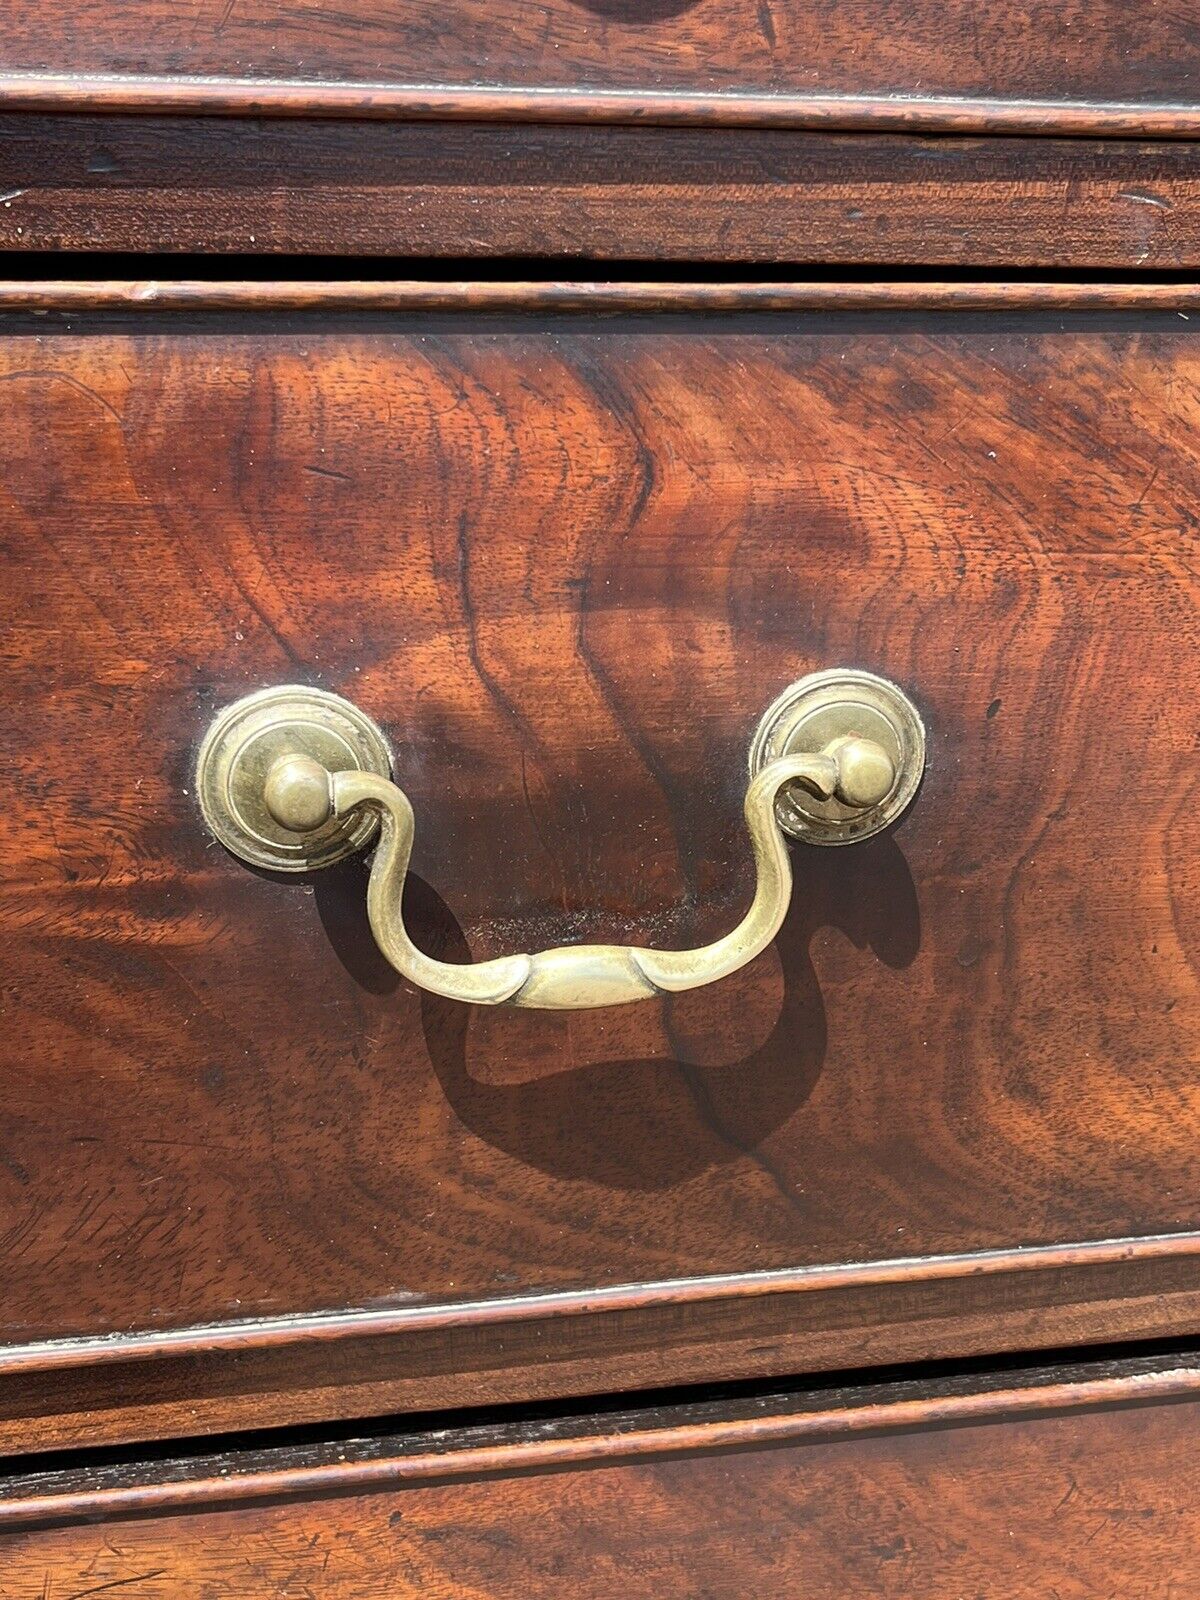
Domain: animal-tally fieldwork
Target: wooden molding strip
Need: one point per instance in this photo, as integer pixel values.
(183, 294)
(343, 1476)
(883, 113)
(323, 1327)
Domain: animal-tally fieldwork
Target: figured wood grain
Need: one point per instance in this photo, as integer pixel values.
(409, 189)
(567, 562)
(1101, 51)
(1075, 1487)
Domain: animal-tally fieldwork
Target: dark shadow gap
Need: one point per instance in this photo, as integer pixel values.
(43, 266)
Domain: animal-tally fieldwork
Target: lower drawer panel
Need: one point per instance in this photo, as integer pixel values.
(1066, 1482)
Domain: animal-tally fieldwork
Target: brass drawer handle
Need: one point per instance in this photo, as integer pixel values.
(295, 778)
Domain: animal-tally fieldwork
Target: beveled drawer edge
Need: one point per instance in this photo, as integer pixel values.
(440, 1457)
(881, 113)
(331, 1326)
(459, 295)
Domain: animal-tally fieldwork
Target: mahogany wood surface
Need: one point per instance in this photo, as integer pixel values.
(112, 1484)
(1070, 1482)
(335, 188)
(138, 298)
(260, 1374)
(567, 562)
(1101, 50)
(119, 93)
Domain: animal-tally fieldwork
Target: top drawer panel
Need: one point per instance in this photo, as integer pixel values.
(734, 60)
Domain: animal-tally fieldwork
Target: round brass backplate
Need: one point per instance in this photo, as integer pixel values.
(812, 714)
(241, 746)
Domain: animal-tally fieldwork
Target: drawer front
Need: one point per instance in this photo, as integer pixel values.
(733, 60)
(1075, 1485)
(566, 563)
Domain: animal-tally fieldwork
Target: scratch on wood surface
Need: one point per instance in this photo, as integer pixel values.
(1143, 197)
(114, 1583)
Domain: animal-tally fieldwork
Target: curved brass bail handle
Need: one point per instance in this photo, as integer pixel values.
(295, 778)
(301, 795)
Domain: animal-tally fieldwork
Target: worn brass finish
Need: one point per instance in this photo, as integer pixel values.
(815, 714)
(244, 743)
(275, 775)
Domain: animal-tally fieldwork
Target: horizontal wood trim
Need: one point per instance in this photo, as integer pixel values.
(231, 96)
(753, 1337)
(309, 1369)
(183, 294)
(280, 1332)
(978, 1496)
(455, 1460)
(404, 190)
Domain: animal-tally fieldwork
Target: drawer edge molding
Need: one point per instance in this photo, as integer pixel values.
(476, 295)
(428, 1459)
(334, 1326)
(879, 113)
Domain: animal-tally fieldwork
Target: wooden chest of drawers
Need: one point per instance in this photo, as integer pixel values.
(775, 357)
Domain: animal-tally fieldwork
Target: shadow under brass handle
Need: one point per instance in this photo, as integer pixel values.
(296, 778)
